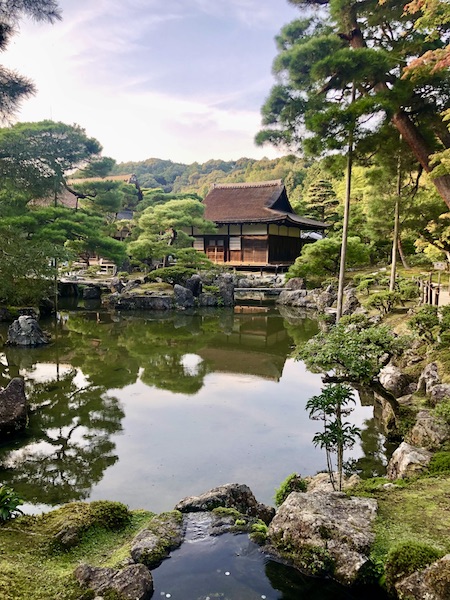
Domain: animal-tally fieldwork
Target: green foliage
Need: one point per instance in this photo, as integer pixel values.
(330, 407)
(352, 349)
(34, 157)
(440, 461)
(9, 503)
(171, 275)
(407, 557)
(426, 323)
(292, 483)
(384, 301)
(258, 532)
(111, 515)
(322, 258)
(26, 267)
(321, 60)
(163, 231)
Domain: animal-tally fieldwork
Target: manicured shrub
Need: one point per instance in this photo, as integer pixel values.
(292, 483)
(171, 275)
(406, 558)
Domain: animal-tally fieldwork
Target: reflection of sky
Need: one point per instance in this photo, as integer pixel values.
(237, 428)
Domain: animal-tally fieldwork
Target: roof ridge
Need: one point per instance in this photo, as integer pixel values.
(248, 184)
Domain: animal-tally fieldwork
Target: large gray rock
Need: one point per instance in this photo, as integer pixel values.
(207, 299)
(92, 292)
(428, 379)
(156, 302)
(429, 431)
(296, 283)
(319, 523)
(194, 284)
(25, 331)
(184, 298)
(134, 582)
(432, 583)
(408, 461)
(230, 495)
(152, 545)
(351, 302)
(13, 407)
(394, 380)
(226, 289)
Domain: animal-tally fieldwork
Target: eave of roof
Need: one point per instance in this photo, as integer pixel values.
(279, 218)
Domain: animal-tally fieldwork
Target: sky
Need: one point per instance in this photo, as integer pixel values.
(182, 80)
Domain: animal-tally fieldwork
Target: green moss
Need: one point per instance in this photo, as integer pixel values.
(292, 483)
(29, 571)
(407, 557)
(415, 510)
(111, 515)
(313, 560)
(258, 532)
(227, 512)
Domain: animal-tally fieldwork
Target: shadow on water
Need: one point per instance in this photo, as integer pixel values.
(231, 567)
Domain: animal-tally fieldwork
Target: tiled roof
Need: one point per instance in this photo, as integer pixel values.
(259, 202)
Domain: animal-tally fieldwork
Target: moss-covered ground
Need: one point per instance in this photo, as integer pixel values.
(410, 511)
(33, 567)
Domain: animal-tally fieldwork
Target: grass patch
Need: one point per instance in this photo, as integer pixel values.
(32, 569)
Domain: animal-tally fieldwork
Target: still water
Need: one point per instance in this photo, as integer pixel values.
(149, 408)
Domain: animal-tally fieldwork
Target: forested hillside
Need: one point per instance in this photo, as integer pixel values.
(198, 178)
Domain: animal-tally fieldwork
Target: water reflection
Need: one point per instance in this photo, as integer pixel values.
(149, 408)
(67, 446)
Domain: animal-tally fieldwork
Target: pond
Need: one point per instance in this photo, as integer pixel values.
(149, 408)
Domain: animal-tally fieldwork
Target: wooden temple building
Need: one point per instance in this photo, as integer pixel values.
(256, 226)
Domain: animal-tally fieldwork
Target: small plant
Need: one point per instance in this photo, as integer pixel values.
(407, 557)
(9, 503)
(258, 532)
(330, 407)
(443, 411)
(292, 483)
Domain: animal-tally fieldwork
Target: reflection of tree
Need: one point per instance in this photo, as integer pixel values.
(67, 446)
(373, 461)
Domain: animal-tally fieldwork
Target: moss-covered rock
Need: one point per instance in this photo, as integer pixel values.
(163, 534)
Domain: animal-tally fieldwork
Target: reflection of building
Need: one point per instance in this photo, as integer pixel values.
(257, 345)
(256, 225)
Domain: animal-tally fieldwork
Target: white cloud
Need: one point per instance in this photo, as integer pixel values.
(137, 77)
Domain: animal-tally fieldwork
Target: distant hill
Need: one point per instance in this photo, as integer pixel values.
(198, 178)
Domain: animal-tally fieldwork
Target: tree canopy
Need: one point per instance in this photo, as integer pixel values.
(343, 66)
